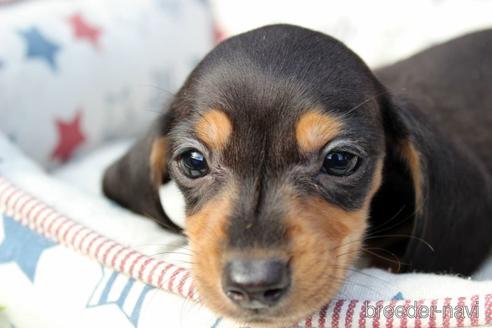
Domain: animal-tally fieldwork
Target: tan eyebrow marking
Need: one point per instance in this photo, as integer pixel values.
(214, 129)
(314, 130)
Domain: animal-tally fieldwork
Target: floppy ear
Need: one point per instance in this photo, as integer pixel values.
(434, 201)
(134, 180)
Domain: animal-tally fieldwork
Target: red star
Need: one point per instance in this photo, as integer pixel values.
(84, 31)
(70, 137)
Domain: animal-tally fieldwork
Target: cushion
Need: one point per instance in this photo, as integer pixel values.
(74, 74)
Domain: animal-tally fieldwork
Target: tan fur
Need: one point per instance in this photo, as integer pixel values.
(206, 231)
(412, 157)
(158, 160)
(214, 129)
(314, 130)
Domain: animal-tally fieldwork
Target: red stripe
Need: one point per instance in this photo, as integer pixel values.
(460, 319)
(35, 220)
(81, 241)
(58, 229)
(132, 266)
(335, 318)
(42, 225)
(161, 277)
(432, 317)
(475, 311)
(7, 200)
(389, 319)
(377, 314)
(362, 314)
(72, 241)
(182, 282)
(488, 308)
(151, 273)
(173, 277)
(36, 215)
(28, 214)
(115, 256)
(106, 253)
(88, 249)
(71, 225)
(418, 314)
(191, 292)
(50, 227)
(142, 268)
(447, 314)
(2, 194)
(98, 249)
(21, 209)
(404, 317)
(322, 315)
(122, 264)
(350, 313)
(14, 205)
(309, 322)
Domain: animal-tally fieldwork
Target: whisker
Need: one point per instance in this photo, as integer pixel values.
(397, 261)
(362, 273)
(403, 236)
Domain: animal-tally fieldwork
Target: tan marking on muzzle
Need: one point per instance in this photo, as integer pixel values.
(207, 234)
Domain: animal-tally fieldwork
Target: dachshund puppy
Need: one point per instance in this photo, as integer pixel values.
(294, 158)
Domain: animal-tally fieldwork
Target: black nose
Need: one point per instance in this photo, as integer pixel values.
(256, 284)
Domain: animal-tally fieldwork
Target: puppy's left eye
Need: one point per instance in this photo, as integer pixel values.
(193, 164)
(340, 163)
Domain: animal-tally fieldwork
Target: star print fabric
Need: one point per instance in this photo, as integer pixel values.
(77, 74)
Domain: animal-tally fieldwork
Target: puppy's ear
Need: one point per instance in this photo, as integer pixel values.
(398, 206)
(433, 197)
(134, 180)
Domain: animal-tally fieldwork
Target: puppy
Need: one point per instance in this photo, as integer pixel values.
(294, 159)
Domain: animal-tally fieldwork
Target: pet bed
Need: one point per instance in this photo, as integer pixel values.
(68, 256)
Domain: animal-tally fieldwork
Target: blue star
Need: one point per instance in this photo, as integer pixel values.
(38, 46)
(22, 246)
(122, 292)
(216, 323)
(398, 297)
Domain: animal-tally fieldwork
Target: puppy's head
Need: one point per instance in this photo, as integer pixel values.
(277, 141)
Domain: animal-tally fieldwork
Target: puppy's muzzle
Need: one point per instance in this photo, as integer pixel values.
(256, 284)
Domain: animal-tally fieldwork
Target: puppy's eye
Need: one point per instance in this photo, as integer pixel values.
(340, 163)
(193, 164)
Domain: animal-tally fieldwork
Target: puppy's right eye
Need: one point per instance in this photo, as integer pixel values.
(193, 164)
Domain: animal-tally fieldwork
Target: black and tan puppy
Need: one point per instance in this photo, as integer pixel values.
(294, 158)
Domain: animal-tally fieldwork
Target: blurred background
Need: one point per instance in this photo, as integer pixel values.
(379, 31)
